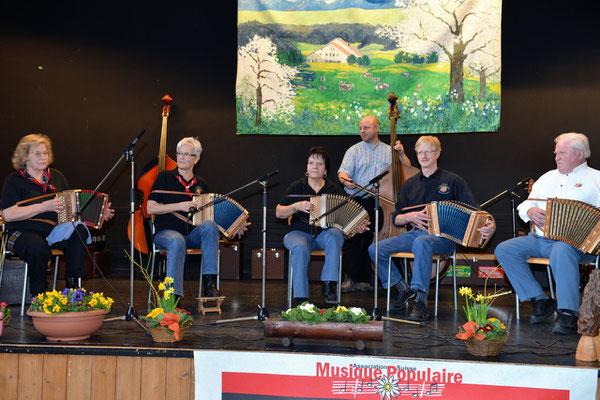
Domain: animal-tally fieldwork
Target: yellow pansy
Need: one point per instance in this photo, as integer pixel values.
(154, 313)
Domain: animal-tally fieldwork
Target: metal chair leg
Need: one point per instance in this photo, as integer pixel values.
(339, 284)
(24, 290)
(437, 286)
(387, 308)
(290, 275)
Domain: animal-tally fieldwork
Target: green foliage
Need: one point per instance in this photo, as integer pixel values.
(311, 314)
(292, 58)
(404, 57)
(364, 61)
(351, 59)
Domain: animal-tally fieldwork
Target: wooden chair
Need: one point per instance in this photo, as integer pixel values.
(546, 262)
(319, 253)
(437, 258)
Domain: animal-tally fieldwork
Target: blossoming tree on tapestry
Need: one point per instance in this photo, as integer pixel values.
(263, 84)
(455, 29)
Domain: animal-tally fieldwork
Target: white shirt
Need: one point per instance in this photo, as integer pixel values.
(582, 184)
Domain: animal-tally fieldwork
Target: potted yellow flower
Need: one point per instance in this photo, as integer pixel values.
(167, 322)
(483, 336)
(73, 314)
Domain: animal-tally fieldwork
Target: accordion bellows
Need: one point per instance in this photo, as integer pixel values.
(574, 222)
(347, 218)
(458, 222)
(227, 213)
(92, 216)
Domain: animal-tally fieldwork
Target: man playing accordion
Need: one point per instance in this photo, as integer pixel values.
(430, 184)
(572, 179)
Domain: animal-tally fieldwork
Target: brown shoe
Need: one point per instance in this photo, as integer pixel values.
(348, 285)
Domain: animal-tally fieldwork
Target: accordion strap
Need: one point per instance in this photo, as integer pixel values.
(43, 220)
(35, 198)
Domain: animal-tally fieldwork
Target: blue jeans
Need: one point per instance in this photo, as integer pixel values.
(564, 262)
(205, 237)
(422, 245)
(301, 243)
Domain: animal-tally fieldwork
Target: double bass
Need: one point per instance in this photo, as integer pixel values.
(392, 182)
(146, 179)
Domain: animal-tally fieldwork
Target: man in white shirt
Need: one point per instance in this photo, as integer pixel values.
(574, 180)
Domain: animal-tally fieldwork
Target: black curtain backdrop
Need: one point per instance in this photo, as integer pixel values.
(91, 76)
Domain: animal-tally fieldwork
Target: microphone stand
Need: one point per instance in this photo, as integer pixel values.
(375, 313)
(262, 311)
(512, 196)
(129, 155)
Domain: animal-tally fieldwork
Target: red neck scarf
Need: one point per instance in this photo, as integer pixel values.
(187, 186)
(45, 179)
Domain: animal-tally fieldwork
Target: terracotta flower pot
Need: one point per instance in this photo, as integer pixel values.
(68, 326)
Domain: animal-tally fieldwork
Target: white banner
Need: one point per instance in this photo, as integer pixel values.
(240, 375)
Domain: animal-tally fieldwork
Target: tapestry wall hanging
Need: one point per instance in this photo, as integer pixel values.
(315, 67)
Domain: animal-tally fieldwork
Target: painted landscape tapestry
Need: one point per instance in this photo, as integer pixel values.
(315, 67)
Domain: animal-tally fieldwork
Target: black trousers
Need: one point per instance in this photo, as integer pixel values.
(33, 248)
(356, 262)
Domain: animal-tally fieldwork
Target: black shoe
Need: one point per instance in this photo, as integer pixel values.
(402, 298)
(210, 290)
(72, 283)
(299, 300)
(542, 309)
(566, 324)
(329, 292)
(420, 312)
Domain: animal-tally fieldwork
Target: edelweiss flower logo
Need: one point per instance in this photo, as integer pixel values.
(387, 387)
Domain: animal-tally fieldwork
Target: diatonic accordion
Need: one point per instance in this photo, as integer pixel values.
(574, 222)
(458, 222)
(347, 218)
(92, 215)
(227, 213)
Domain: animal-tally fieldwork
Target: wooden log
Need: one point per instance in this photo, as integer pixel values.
(372, 330)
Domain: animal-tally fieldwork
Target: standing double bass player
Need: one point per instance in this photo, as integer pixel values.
(361, 163)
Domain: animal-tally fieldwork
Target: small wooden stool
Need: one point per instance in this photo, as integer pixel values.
(204, 308)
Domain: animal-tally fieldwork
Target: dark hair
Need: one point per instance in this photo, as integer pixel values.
(319, 151)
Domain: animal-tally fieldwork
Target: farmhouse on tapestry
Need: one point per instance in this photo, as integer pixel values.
(336, 51)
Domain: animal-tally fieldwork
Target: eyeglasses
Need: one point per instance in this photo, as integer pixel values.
(182, 154)
(426, 152)
(38, 154)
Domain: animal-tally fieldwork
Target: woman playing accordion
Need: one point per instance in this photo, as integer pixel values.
(31, 226)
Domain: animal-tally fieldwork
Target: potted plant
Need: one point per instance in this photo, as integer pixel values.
(309, 321)
(483, 336)
(166, 322)
(73, 314)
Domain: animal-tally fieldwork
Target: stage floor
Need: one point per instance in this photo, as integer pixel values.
(527, 344)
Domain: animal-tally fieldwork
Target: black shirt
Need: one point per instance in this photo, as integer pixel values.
(167, 180)
(17, 187)
(301, 186)
(440, 186)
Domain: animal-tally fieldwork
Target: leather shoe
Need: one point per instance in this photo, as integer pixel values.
(299, 300)
(542, 309)
(363, 287)
(402, 298)
(72, 283)
(348, 285)
(210, 290)
(566, 324)
(329, 292)
(420, 312)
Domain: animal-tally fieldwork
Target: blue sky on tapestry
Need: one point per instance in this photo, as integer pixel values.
(315, 67)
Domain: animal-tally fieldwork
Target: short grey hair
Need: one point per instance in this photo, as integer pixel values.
(578, 141)
(192, 141)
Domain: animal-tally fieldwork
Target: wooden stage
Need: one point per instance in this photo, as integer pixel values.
(121, 360)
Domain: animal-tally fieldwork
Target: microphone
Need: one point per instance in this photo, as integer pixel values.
(191, 212)
(521, 183)
(378, 177)
(267, 176)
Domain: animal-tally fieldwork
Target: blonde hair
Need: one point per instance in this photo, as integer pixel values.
(19, 157)
(431, 141)
(191, 141)
(578, 141)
